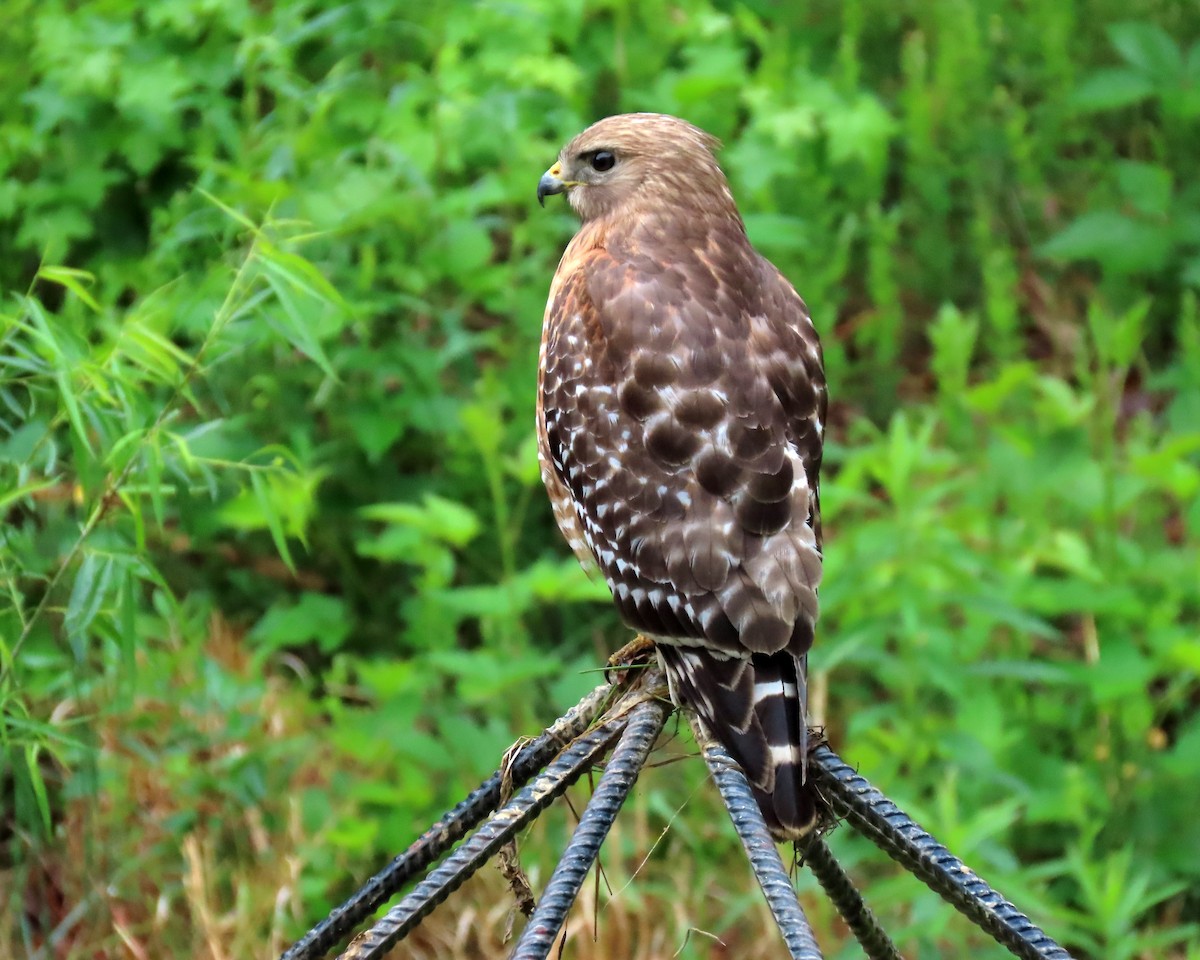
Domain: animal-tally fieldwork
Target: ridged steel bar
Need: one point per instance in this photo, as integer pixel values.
(483, 844)
(854, 799)
(760, 848)
(620, 772)
(453, 825)
(840, 889)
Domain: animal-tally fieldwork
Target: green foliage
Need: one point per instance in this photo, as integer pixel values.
(277, 574)
(1141, 223)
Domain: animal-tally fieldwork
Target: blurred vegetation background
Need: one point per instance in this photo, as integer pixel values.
(278, 580)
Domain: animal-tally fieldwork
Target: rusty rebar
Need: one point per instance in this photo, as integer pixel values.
(480, 847)
(840, 889)
(620, 773)
(852, 798)
(451, 827)
(760, 848)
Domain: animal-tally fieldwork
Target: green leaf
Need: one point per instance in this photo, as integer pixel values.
(299, 273)
(229, 211)
(152, 468)
(271, 517)
(375, 428)
(1117, 242)
(565, 581)
(1110, 90)
(88, 594)
(295, 326)
(1118, 339)
(19, 493)
(20, 445)
(1146, 185)
(37, 785)
(482, 676)
(1027, 671)
(315, 618)
(953, 338)
(73, 280)
(860, 130)
(436, 517)
(63, 372)
(1148, 47)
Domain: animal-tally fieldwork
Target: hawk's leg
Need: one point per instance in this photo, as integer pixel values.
(636, 653)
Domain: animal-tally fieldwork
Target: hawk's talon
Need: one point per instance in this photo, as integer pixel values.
(636, 653)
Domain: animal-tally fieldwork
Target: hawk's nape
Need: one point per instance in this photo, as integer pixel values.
(681, 404)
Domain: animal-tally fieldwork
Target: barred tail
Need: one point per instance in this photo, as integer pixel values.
(756, 709)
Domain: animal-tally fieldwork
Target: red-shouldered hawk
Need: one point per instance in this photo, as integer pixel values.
(681, 401)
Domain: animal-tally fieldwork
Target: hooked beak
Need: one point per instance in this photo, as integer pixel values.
(552, 183)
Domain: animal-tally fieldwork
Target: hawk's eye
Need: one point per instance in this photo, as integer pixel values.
(603, 160)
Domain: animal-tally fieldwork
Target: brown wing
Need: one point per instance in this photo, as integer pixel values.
(682, 403)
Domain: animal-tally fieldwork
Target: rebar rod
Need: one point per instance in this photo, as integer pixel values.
(760, 848)
(480, 847)
(840, 889)
(453, 825)
(853, 798)
(620, 773)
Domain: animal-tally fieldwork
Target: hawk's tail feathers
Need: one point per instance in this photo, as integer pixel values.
(755, 708)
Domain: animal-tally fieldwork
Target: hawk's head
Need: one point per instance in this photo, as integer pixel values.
(636, 162)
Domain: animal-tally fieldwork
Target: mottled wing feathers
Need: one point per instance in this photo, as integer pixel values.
(681, 428)
(795, 368)
(683, 403)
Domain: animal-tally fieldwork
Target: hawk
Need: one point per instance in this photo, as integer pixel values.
(681, 402)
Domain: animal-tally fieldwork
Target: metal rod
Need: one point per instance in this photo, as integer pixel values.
(452, 826)
(854, 799)
(620, 773)
(479, 848)
(840, 889)
(760, 848)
